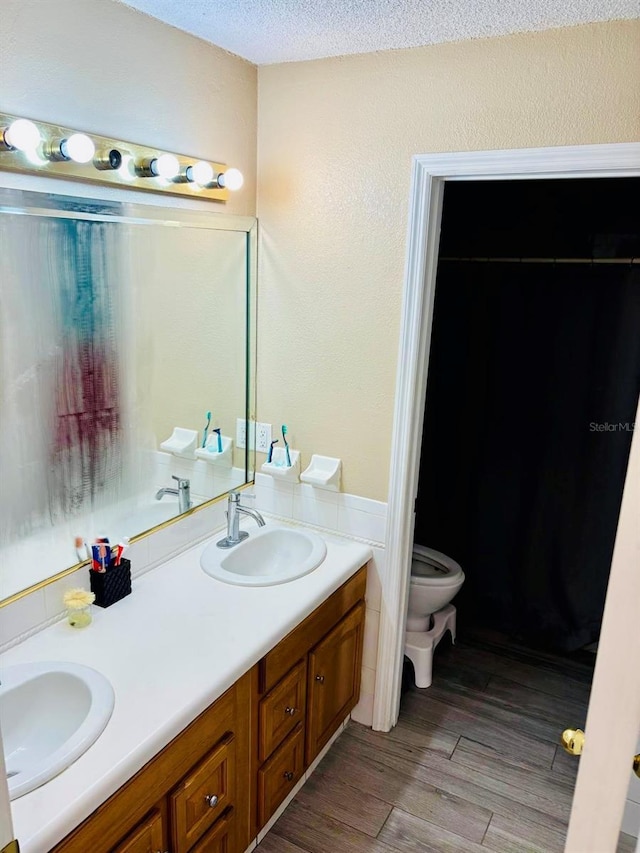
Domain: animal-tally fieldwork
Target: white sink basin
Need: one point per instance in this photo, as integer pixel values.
(50, 713)
(273, 555)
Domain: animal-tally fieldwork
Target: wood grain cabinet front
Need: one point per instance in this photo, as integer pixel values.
(191, 784)
(306, 687)
(278, 776)
(219, 839)
(148, 837)
(334, 679)
(202, 796)
(282, 709)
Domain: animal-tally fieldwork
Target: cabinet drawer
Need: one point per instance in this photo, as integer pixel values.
(148, 837)
(279, 775)
(297, 643)
(282, 709)
(203, 795)
(219, 839)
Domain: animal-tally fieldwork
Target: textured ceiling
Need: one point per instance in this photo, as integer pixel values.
(266, 31)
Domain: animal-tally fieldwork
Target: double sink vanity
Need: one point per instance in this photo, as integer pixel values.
(184, 716)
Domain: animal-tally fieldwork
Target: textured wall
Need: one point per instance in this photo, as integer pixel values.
(335, 142)
(102, 67)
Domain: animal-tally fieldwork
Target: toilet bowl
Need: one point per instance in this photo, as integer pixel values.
(435, 579)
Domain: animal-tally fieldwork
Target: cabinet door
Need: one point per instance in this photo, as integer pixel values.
(334, 679)
(203, 795)
(147, 837)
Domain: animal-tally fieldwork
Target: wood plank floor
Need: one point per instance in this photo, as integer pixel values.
(473, 765)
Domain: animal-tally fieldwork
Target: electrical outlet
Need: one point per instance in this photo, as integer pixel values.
(241, 434)
(263, 437)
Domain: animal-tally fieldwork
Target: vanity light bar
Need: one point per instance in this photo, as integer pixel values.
(39, 148)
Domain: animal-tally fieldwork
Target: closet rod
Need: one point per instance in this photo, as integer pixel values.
(594, 261)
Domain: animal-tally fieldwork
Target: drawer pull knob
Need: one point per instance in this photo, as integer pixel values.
(211, 800)
(288, 775)
(320, 678)
(290, 711)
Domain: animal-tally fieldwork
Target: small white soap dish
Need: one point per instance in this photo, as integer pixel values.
(181, 443)
(323, 473)
(212, 455)
(278, 466)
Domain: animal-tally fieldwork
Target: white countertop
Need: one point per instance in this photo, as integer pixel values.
(169, 649)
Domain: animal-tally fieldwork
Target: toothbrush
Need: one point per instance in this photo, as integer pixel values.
(270, 456)
(120, 549)
(206, 428)
(286, 446)
(81, 549)
(217, 432)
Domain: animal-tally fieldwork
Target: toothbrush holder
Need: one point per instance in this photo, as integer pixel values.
(278, 467)
(112, 585)
(210, 452)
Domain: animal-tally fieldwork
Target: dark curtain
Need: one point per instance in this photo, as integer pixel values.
(533, 386)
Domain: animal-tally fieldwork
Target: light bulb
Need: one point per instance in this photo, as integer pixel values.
(231, 179)
(22, 134)
(166, 166)
(200, 173)
(34, 157)
(78, 147)
(127, 170)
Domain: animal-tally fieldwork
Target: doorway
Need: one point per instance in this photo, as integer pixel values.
(531, 396)
(429, 177)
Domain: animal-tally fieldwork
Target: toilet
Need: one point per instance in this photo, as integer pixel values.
(435, 579)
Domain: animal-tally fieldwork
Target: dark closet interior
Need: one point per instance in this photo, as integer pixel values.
(534, 377)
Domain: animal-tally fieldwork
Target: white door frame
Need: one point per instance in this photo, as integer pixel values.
(430, 171)
(425, 213)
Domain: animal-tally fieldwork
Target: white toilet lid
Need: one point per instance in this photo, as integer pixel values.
(428, 563)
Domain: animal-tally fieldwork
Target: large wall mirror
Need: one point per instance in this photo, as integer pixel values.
(118, 324)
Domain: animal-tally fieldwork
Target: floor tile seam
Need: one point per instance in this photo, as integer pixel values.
(437, 826)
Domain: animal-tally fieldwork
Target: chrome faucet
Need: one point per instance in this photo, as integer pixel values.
(235, 510)
(183, 493)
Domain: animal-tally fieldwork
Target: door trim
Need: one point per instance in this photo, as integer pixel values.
(430, 171)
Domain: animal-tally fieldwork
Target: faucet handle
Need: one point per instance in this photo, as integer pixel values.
(235, 496)
(183, 483)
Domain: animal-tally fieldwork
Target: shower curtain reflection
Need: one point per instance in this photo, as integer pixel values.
(65, 446)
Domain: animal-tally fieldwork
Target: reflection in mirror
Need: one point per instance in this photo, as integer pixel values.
(118, 324)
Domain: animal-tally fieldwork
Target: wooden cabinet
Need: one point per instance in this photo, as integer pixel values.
(201, 763)
(334, 679)
(203, 795)
(282, 709)
(279, 775)
(219, 839)
(221, 779)
(148, 837)
(307, 685)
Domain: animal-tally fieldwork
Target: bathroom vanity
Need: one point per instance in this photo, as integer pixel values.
(239, 700)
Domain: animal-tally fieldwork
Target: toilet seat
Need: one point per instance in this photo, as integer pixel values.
(433, 568)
